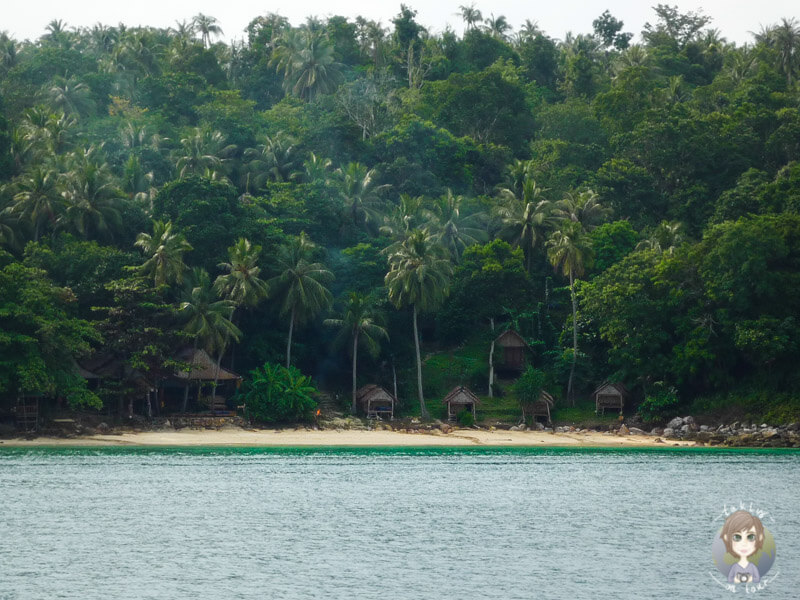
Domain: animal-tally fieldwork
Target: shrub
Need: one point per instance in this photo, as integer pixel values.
(660, 404)
(276, 394)
(466, 418)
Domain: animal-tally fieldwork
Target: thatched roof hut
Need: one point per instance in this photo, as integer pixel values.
(203, 367)
(610, 395)
(540, 408)
(375, 401)
(460, 398)
(513, 345)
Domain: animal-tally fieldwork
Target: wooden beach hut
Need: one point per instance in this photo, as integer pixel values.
(204, 371)
(540, 408)
(460, 398)
(376, 402)
(609, 395)
(513, 351)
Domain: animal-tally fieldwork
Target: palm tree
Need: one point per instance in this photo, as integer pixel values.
(360, 193)
(582, 207)
(93, 198)
(204, 153)
(164, 250)
(406, 216)
(317, 168)
(306, 58)
(276, 159)
(419, 276)
(665, 238)
(569, 250)
(300, 286)
(71, 96)
(524, 217)
(206, 26)
(38, 199)
(451, 230)
(471, 15)
(208, 319)
(361, 322)
(786, 39)
(241, 283)
(497, 26)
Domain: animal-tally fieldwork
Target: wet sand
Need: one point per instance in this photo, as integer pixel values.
(351, 438)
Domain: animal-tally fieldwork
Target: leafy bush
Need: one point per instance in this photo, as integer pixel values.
(661, 403)
(529, 386)
(466, 418)
(276, 394)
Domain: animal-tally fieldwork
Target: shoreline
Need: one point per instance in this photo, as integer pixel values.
(301, 437)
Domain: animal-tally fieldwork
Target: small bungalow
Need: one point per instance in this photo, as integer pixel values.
(540, 408)
(610, 395)
(513, 346)
(460, 398)
(204, 371)
(375, 401)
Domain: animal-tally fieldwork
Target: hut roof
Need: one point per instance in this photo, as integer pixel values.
(545, 397)
(461, 395)
(203, 368)
(107, 366)
(372, 392)
(510, 339)
(613, 389)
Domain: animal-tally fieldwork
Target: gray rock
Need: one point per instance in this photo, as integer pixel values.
(675, 423)
(704, 428)
(793, 426)
(539, 427)
(515, 428)
(656, 431)
(669, 432)
(623, 430)
(764, 426)
(690, 420)
(636, 431)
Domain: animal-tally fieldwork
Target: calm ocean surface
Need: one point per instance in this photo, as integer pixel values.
(384, 524)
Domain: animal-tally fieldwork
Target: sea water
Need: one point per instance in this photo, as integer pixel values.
(386, 523)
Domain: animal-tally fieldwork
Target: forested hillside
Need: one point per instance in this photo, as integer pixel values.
(629, 204)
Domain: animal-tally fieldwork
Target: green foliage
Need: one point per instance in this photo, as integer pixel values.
(660, 403)
(611, 242)
(40, 338)
(275, 394)
(528, 388)
(466, 418)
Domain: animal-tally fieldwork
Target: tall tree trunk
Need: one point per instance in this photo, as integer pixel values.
(394, 380)
(149, 404)
(355, 362)
(189, 379)
(423, 410)
(570, 391)
(216, 370)
(289, 342)
(233, 347)
(491, 361)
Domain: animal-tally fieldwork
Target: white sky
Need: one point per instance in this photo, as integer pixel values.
(734, 18)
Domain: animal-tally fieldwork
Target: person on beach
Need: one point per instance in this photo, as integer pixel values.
(743, 535)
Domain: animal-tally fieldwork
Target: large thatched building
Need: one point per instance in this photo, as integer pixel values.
(610, 395)
(460, 398)
(376, 402)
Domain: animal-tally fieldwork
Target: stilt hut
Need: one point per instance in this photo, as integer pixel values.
(540, 408)
(204, 371)
(460, 398)
(376, 402)
(610, 395)
(513, 347)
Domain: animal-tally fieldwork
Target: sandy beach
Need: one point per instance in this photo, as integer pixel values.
(349, 438)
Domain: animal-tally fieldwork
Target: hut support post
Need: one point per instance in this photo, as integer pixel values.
(491, 361)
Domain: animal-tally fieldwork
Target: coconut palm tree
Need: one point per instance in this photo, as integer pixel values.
(300, 285)
(406, 216)
(581, 207)
(786, 40)
(276, 160)
(71, 96)
(38, 199)
(93, 197)
(164, 250)
(498, 26)
(361, 322)
(419, 277)
(524, 217)
(204, 152)
(306, 59)
(206, 26)
(471, 15)
(361, 194)
(666, 238)
(208, 319)
(570, 251)
(454, 231)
